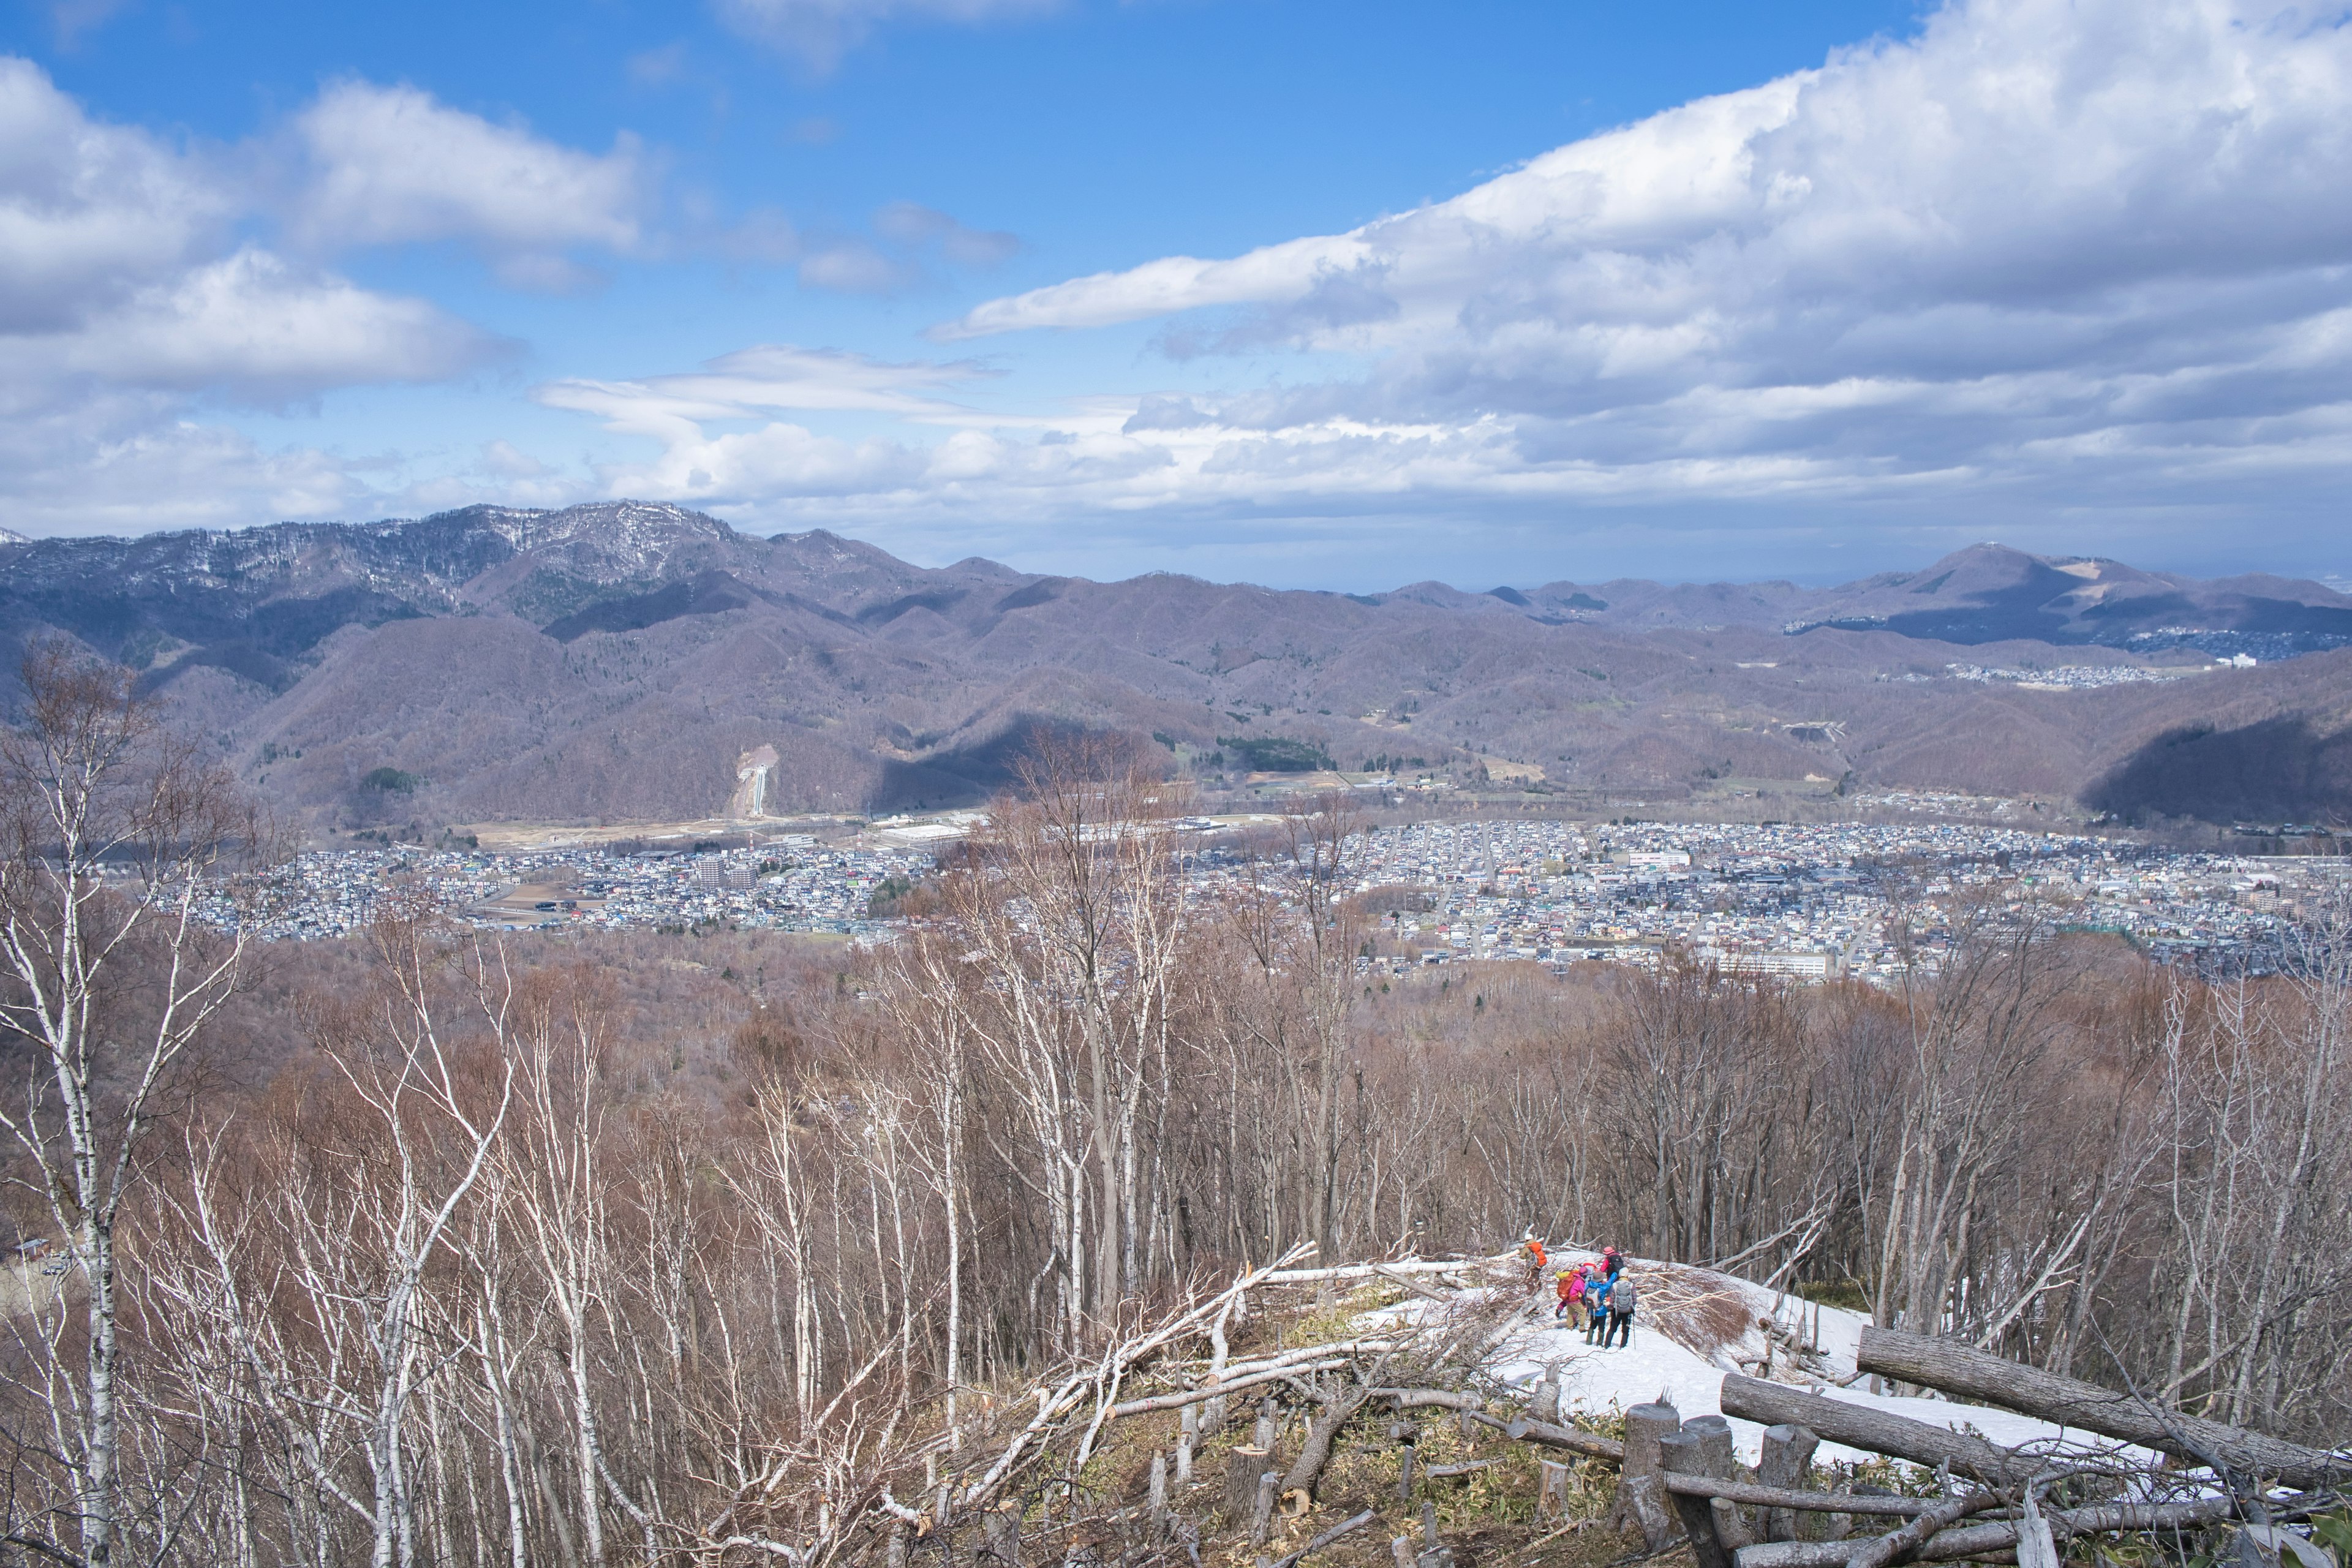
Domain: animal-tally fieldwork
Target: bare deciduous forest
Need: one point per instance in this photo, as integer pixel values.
(440, 1248)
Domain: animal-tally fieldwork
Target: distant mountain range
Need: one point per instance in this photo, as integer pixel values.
(614, 661)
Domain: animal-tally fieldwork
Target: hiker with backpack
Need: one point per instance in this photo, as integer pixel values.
(1622, 1299)
(1579, 1280)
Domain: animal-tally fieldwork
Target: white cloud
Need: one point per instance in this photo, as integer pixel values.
(2071, 254)
(819, 32)
(117, 274)
(88, 211)
(253, 324)
(392, 164)
(2079, 268)
(127, 304)
(761, 380)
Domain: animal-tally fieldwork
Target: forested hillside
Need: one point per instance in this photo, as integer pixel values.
(616, 661)
(437, 1245)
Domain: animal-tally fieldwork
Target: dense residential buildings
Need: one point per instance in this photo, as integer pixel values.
(1806, 902)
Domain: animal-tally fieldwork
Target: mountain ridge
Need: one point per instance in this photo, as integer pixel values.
(612, 660)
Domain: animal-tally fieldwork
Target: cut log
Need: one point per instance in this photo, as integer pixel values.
(1212, 1396)
(1415, 1286)
(1788, 1455)
(1416, 1398)
(1797, 1502)
(1976, 1540)
(1903, 1543)
(1366, 1271)
(1956, 1367)
(1859, 1426)
(1469, 1467)
(1685, 1452)
(1243, 1466)
(1547, 1436)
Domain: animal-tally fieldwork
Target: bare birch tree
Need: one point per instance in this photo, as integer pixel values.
(108, 971)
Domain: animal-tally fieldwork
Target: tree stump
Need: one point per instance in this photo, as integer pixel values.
(1547, 1401)
(1434, 1552)
(1715, 1441)
(1788, 1456)
(1266, 1430)
(1188, 1437)
(1551, 1497)
(1641, 1499)
(1002, 1532)
(1714, 1433)
(1262, 1506)
(1687, 1452)
(1243, 1466)
(1159, 1497)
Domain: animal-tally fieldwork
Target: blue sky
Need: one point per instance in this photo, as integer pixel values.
(1332, 295)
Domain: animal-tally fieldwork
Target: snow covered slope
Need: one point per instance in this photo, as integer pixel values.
(1694, 1325)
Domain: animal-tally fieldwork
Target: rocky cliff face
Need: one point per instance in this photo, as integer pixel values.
(616, 661)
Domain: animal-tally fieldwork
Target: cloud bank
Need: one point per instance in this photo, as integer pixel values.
(2057, 253)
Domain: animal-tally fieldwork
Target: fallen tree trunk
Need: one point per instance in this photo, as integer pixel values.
(1859, 1426)
(1809, 1502)
(1327, 1538)
(1409, 1283)
(1549, 1436)
(1904, 1542)
(1209, 1391)
(1321, 1433)
(1444, 1398)
(1367, 1270)
(1468, 1467)
(1975, 1540)
(1956, 1367)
